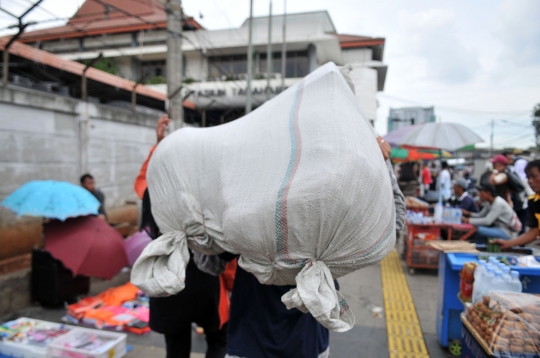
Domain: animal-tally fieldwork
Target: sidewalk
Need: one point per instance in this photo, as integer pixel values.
(364, 291)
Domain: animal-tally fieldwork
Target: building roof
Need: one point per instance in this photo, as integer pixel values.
(320, 19)
(98, 77)
(98, 17)
(354, 41)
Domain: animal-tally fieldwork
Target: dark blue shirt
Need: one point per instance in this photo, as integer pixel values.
(468, 204)
(261, 326)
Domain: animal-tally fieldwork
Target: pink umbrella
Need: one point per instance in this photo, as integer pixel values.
(135, 244)
(87, 245)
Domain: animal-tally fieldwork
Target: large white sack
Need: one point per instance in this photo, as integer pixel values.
(298, 188)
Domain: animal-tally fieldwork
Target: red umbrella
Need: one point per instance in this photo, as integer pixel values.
(87, 245)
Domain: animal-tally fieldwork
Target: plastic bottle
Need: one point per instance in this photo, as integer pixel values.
(497, 284)
(457, 217)
(438, 215)
(485, 283)
(480, 270)
(516, 285)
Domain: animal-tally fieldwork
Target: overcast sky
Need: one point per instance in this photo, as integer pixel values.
(473, 60)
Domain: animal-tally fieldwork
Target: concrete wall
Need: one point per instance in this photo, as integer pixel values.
(365, 86)
(355, 55)
(46, 136)
(196, 66)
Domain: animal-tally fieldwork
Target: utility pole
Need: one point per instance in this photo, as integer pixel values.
(269, 53)
(249, 58)
(174, 62)
(21, 27)
(284, 48)
(491, 138)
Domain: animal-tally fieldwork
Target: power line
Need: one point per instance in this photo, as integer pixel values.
(127, 13)
(79, 29)
(446, 108)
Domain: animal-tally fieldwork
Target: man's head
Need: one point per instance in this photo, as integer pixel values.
(460, 186)
(533, 175)
(87, 182)
(444, 165)
(487, 192)
(510, 158)
(499, 162)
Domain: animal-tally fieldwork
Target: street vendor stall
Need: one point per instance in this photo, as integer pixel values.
(419, 252)
(450, 306)
(422, 229)
(503, 324)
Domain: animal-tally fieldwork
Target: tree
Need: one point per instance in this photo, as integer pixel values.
(536, 124)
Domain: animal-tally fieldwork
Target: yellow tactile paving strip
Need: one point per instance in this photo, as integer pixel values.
(405, 338)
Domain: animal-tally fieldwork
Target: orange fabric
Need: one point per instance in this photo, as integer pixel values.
(140, 182)
(117, 295)
(226, 280)
(99, 314)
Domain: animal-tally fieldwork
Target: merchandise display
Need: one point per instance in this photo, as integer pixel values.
(88, 343)
(506, 323)
(26, 337)
(119, 308)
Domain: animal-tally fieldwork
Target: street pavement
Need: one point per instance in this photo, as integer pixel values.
(363, 291)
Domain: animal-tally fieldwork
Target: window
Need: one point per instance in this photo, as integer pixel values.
(297, 63)
(151, 69)
(227, 65)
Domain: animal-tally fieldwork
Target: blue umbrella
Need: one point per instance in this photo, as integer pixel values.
(51, 199)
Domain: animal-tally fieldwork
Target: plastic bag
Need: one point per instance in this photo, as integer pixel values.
(508, 323)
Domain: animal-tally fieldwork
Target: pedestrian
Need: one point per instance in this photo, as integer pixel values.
(519, 199)
(495, 220)
(426, 178)
(261, 326)
(444, 182)
(408, 181)
(463, 199)
(533, 209)
(203, 301)
(88, 182)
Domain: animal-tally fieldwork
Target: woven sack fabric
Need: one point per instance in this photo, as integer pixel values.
(298, 188)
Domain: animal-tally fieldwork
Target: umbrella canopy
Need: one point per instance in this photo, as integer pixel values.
(436, 152)
(448, 136)
(394, 137)
(86, 245)
(409, 154)
(135, 245)
(51, 199)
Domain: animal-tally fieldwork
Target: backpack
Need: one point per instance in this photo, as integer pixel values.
(515, 223)
(515, 185)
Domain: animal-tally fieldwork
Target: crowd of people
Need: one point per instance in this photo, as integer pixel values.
(248, 318)
(503, 204)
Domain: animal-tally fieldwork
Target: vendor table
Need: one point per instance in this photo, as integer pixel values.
(449, 307)
(421, 255)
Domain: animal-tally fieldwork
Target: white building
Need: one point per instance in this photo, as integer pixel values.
(408, 116)
(215, 64)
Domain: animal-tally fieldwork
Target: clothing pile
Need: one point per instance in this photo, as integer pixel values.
(298, 188)
(118, 308)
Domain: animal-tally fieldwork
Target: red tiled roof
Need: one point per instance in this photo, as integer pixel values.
(47, 58)
(351, 41)
(93, 19)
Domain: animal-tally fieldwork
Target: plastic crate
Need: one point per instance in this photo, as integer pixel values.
(428, 257)
(424, 232)
(115, 346)
(29, 350)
